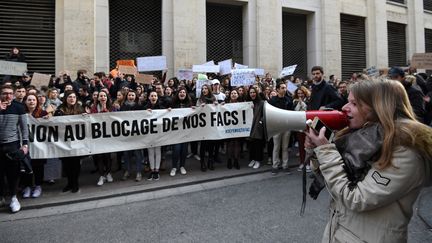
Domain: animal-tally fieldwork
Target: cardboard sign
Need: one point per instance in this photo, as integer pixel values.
(242, 77)
(153, 63)
(225, 66)
(259, 72)
(422, 60)
(205, 68)
(240, 66)
(40, 79)
(288, 70)
(144, 78)
(127, 69)
(185, 74)
(209, 63)
(13, 68)
(291, 87)
(372, 71)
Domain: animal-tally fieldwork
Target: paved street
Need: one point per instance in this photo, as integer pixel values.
(265, 210)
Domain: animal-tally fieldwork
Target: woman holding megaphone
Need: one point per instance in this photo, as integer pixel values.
(377, 166)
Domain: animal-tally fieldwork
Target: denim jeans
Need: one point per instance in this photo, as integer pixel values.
(179, 155)
(128, 155)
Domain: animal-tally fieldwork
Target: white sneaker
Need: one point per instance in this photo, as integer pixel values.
(189, 155)
(196, 156)
(109, 177)
(251, 164)
(300, 168)
(182, 170)
(256, 165)
(125, 175)
(26, 192)
(15, 206)
(101, 181)
(138, 176)
(308, 169)
(37, 192)
(173, 172)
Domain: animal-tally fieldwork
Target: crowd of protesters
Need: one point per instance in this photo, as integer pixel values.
(100, 92)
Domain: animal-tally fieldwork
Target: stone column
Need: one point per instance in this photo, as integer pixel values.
(269, 36)
(250, 34)
(331, 38)
(75, 35)
(168, 35)
(102, 48)
(189, 38)
(415, 28)
(376, 36)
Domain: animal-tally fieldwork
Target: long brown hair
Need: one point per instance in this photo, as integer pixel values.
(390, 106)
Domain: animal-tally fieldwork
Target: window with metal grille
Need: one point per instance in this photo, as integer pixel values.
(29, 25)
(353, 44)
(396, 37)
(427, 5)
(428, 40)
(294, 43)
(397, 1)
(224, 32)
(135, 29)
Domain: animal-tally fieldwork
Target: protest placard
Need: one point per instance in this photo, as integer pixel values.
(185, 74)
(242, 77)
(205, 68)
(259, 72)
(209, 63)
(131, 70)
(288, 70)
(80, 135)
(372, 71)
(291, 87)
(422, 60)
(225, 67)
(40, 79)
(240, 66)
(153, 63)
(144, 78)
(202, 79)
(13, 68)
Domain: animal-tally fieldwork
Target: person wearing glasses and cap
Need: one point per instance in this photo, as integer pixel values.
(220, 97)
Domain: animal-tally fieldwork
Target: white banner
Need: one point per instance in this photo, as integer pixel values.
(259, 72)
(225, 66)
(240, 66)
(242, 77)
(153, 63)
(81, 135)
(13, 68)
(288, 70)
(205, 68)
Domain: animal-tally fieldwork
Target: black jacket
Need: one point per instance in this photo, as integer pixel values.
(325, 95)
(285, 102)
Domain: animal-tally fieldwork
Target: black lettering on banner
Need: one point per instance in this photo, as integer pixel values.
(166, 124)
(96, 130)
(125, 131)
(80, 132)
(153, 126)
(53, 134)
(234, 115)
(244, 116)
(212, 118)
(190, 121)
(41, 133)
(175, 121)
(69, 136)
(202, 117)
(144, 127)
(115, 129)
(104, 130)
(219, 120)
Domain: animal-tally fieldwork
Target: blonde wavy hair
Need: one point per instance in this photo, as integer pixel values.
(386, 102)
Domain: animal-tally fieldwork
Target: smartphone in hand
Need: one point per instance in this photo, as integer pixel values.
(317, 124)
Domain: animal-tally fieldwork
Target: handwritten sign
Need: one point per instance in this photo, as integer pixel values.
(209, 63)
(153, 63)
(225, 66)
(144, 78)
(288, 70)
(372, 71)
(40, 79)
(13, 68)
(242, 77)
(205, 68)
(127, 69)
(259, 72)
(185, 74)
(422, 60)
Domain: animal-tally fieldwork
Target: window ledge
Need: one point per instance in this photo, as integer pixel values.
(404, 5)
